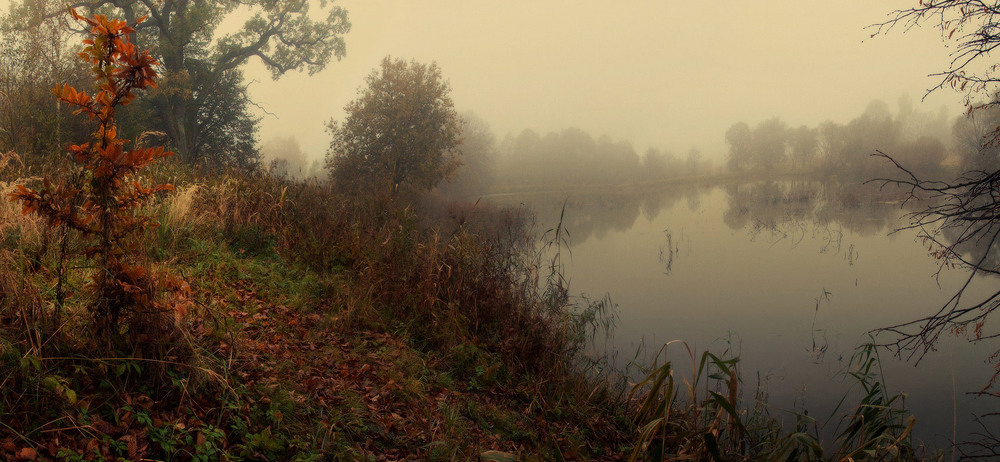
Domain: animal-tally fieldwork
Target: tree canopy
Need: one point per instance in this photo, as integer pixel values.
(767, 143)
(402, 132)
(572, 157)
(914, 137)
(202, 104)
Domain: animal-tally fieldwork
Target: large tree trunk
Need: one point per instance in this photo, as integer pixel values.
(173, 104)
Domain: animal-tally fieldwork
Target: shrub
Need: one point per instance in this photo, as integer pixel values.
(100, 198)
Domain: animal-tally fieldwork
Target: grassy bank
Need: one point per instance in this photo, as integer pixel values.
(305, 325)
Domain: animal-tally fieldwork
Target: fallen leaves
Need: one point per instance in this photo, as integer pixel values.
(26, 454)
(372, 391)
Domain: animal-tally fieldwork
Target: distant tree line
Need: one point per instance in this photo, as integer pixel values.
(284, 158)
(916, 139)
(572, 157)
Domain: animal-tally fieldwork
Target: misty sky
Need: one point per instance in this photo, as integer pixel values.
(663, 73)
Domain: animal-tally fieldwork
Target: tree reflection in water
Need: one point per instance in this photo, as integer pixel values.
(719, 279)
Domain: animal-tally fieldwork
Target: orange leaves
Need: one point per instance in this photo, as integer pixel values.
(142, 156)
(102, 205)
(102, 26)
(29, 197)
(134, 196)
(110, 134)
(153, 190)
(80, 152)
(74, 14)
(69, 95)
(21, 191)
(133, 273)
(118, 66)
(119, 69)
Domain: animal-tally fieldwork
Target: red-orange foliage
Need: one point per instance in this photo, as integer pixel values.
(101, 204)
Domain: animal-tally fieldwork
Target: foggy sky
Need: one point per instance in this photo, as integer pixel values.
(662, 73)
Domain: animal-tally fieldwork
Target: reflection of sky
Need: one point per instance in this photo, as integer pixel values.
(764, 289)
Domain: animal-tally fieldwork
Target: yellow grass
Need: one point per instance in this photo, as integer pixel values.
(28, 227)
(180, 210)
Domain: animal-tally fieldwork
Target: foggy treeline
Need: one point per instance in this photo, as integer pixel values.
(567, 159)
(922, 142)
(572, 157)
(284, 158)
(926, 143)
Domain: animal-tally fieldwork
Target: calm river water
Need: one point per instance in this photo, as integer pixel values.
(791, 275)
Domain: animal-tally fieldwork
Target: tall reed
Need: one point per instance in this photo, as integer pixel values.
(708, 418)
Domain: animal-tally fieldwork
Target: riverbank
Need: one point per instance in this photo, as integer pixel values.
(303, 325)
(308, 326)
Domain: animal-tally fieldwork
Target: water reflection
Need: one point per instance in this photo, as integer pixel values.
(801, 270)
(819, 345)
(784, 208)
(668, 251)
(595, 213)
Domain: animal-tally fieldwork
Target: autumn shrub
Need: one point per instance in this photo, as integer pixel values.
(99, 198)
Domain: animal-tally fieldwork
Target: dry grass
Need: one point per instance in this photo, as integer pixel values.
(21, 305)
(476, 279)
(466, 300)
(28, 229)
(180, 207)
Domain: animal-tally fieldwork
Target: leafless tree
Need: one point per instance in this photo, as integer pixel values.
(973, 27)
(961, 224)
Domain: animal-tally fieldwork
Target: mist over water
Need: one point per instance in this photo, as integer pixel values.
(790, 276)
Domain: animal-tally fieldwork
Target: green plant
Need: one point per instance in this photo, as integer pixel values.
(714, 422)
(879, 427)
(705, 426)
(252, 240)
